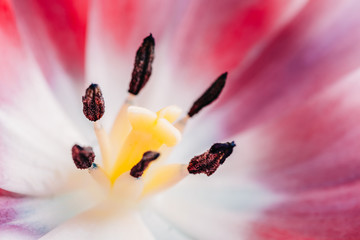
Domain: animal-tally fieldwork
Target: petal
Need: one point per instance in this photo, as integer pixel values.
(321, 137)
(324, 214)
(60, 29)
(212, 208)
(116, 30)
(216, 36)
(102, 222)
(7, 215)
(310, 155)
(160, 227)
(33, 217)
(34, 156)
(311, 53)
(54, 34)
(123, 24)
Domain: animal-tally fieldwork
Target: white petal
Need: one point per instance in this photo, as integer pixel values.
(216, 209)
(160, 227)
(34, 217)
(16, 234)
(36, 139)
(102, 222)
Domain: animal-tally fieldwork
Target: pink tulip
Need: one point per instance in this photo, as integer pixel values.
(291, 103)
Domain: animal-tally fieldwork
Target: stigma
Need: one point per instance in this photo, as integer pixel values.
(133, 154)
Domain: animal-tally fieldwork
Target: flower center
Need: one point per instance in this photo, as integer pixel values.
(134, 152)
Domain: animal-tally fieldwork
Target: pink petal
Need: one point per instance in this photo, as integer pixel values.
(9, 36)
(7, 200)
(217, 36)
(116, 30)
(319, 137)
(32, 152)
(310, 155)
(123, 24)
(318, 48)
(55, 32)
(54, 35)
(8, 215)
(326, 214)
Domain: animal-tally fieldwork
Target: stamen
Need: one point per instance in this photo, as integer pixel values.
(209, 161)
(83, 156)
(142, 67)
(166, 176)
(209, 95)
(105, 145)
(138, 170)
(100, 176)
(94, 108)
(226, 148)
(93, 103)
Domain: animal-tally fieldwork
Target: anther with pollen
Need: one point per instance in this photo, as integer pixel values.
(210, 95)
(93, 103)
(83, 156)
(142, 66)
(209, 161)
(138, 170)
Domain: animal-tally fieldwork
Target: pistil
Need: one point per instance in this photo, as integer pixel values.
(149, 132)
(138, 134)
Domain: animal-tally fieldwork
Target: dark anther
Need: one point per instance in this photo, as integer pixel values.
(93, 103)
(138, 170)
(209, 161)
(83, 156)
(142, 66)
(226, 148)
(209, 95)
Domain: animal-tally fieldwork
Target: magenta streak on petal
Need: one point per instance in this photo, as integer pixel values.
(311, 53)
(4, 193)
(216, 36)
(316, 146)
(7, 215)
(7, 202)
(311, 157)
(331, 214)
(10, 203)
(9, 44)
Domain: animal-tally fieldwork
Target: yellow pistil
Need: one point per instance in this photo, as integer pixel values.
(149, 132)
(141, 139)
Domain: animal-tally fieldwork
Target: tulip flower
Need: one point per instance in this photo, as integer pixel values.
(94, 143)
